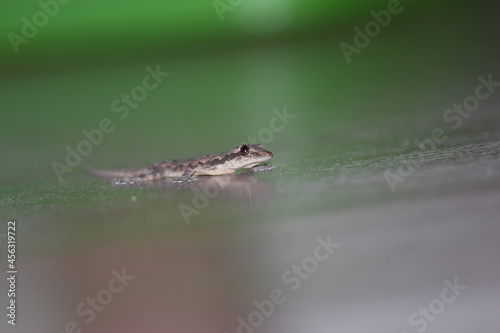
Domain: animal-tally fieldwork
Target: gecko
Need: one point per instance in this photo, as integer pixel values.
(245, 156)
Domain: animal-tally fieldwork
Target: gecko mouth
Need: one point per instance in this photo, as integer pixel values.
(249, 166)
(263, 159)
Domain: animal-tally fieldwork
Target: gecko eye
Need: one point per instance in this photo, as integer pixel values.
(244, 150)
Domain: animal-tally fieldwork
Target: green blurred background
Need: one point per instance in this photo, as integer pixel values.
(225, 76)
(353, 121)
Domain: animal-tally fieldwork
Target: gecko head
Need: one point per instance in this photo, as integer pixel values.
(247, 156)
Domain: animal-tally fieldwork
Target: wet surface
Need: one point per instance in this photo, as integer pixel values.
(410, 227)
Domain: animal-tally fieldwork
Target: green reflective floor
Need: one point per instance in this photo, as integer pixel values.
(348, 168)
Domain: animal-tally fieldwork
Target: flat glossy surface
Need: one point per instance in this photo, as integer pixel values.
(202, 253)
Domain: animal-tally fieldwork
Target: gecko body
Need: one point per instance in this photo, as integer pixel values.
(241, 157)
